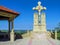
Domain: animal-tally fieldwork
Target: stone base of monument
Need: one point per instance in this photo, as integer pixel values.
(37, 35)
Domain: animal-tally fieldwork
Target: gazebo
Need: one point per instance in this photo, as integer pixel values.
(7, 14)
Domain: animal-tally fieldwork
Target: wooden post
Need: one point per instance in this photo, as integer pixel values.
(12, 32)
(9, 26)
(9, 29)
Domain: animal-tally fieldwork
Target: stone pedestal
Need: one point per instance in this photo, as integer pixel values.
(12, 36)
(42, 26)
(35, 27)
(43, 22)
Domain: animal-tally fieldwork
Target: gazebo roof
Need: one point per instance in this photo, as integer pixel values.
(7, 14)
(2, 8)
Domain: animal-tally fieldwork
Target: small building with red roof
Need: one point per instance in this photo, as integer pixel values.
(10, 15)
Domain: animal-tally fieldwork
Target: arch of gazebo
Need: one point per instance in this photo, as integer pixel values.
(6, 14)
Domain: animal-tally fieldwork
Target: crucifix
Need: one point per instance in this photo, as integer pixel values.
(39, 8)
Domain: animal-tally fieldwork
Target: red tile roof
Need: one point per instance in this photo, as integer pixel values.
(8, 10)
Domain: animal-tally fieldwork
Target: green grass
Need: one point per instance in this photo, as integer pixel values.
(58, 34)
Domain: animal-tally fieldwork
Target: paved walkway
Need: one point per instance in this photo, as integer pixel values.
(39, 40)
(32, 42)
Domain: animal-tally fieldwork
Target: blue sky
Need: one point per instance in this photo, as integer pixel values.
(25, 19)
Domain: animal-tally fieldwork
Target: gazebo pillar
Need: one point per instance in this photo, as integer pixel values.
(10, 15)
(9, 26)
(12, 31)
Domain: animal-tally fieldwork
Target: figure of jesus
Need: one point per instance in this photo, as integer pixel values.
(39, 8)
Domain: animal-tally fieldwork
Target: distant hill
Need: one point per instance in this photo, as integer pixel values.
(16, 31)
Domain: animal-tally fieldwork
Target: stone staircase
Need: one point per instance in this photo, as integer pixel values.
(33, 34)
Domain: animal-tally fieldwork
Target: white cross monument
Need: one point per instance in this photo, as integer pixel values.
(38, 28)
(39, 19)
